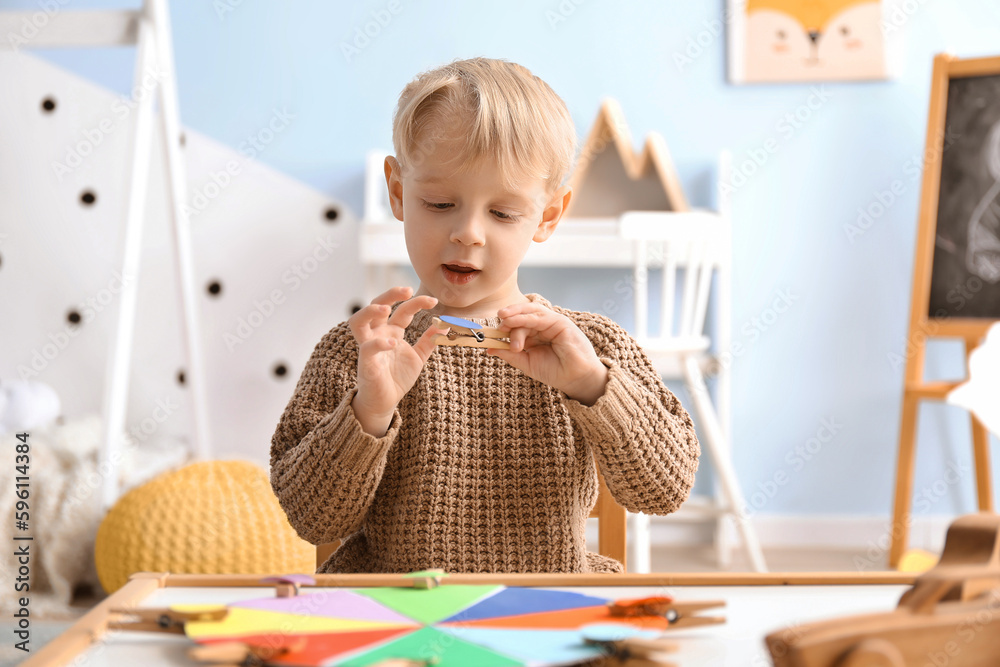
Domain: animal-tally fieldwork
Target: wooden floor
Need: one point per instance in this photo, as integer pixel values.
(674, 559)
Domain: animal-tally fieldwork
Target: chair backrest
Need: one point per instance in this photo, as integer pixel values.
(611, 519)
(688, 246)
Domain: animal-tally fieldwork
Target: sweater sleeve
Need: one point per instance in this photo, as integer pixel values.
(641, 435)
(324, 467)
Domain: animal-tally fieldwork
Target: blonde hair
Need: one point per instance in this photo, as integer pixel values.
(496, 110)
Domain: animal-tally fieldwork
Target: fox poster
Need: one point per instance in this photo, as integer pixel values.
(774, 41)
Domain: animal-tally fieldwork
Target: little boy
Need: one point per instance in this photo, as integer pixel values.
(462, 458)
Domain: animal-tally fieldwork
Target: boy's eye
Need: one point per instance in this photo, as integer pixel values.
(443, 206)
(505, 216)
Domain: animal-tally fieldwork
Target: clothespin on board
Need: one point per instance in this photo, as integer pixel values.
(239, 654)
(677, 614)
(287, 585)
(425, 579)
(164, 619)
(629, 646)
(466, 333)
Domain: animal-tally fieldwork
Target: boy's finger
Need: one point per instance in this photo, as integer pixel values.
(393, 294)
(517, 338)
(425, 345)
(405, 312)
(361, 322)
(377, 344)
(535, 320)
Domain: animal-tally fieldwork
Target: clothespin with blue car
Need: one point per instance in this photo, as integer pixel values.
(466, 333)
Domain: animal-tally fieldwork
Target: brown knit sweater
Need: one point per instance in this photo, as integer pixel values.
(482, 469)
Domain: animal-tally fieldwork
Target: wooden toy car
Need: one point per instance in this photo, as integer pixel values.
(950, 616)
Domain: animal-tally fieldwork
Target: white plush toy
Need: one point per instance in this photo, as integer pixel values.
(981, 393)
(26, 405)
(65, 487)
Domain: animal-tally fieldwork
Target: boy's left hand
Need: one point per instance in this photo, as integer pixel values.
(550, 348)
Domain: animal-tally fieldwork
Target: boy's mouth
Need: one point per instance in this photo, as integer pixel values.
(460, 268)
(459, 273)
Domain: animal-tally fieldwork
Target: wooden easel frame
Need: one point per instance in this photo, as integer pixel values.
(971, 331)
(94, 624)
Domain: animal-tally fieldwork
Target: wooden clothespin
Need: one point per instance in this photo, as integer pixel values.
(287, 585)
(678, 614)
(427, 579)
(164, 619)
(624, 645)
(465, 333)
(239, 654)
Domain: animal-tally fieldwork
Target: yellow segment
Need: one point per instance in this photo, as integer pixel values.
(812, 14)
(244, 621)
(917, 560)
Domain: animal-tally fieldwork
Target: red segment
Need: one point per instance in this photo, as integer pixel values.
(566, 619)
(319, 647)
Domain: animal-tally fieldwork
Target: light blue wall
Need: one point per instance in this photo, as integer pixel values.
(827, 357)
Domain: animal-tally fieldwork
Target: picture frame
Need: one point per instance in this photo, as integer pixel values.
(786, 41)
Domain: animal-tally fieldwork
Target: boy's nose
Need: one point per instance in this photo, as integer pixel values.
(469, 231)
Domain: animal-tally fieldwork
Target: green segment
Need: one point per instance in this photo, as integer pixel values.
(428, 605)
(428, 644)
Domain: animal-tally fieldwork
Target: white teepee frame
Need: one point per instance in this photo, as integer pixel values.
(148, 29)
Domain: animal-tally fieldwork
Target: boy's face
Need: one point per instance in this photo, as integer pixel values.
(467, 219)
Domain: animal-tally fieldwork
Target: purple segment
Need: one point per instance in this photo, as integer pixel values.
(289, 578)
(331, 603)
(513, 600)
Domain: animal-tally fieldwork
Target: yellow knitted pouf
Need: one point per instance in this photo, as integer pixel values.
(209, 517)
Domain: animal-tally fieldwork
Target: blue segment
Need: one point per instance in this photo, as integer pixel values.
(537, 647)
(459, 322)
(513, 600)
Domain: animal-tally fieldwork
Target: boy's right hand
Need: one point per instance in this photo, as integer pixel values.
(388, 366)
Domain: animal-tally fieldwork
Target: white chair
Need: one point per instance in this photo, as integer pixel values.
(688, 246)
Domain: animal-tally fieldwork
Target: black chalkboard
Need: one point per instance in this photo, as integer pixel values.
(965, 278)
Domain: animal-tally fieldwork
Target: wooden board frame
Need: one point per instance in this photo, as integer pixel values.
(93, 625)
(921, 325)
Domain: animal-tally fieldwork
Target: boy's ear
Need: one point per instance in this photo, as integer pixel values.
(393, 181)
(552, 214)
